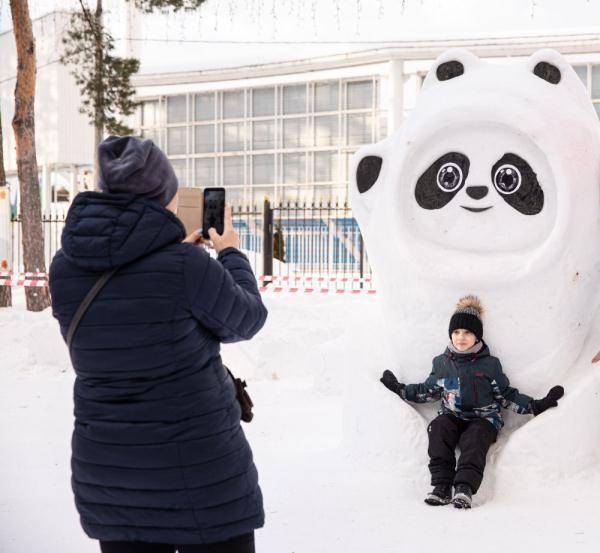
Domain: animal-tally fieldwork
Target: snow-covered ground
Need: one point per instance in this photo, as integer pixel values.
(319, 497)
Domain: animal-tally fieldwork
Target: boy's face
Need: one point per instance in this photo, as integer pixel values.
(463, 339)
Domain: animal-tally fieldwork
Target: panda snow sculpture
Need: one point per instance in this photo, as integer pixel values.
(490, 187)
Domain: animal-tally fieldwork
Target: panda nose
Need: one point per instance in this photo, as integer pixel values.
(477, 192)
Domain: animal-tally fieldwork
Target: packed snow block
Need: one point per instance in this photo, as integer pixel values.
(383, 432)
(490, 187)
(561, 443)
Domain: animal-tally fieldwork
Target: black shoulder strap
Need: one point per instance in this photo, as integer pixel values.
(83, 306)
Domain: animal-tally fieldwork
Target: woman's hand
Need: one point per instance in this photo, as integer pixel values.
(196, 237)
(229, 238)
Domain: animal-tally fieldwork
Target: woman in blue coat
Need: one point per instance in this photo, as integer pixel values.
(159, 460)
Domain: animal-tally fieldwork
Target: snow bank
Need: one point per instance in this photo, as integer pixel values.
(320, 496)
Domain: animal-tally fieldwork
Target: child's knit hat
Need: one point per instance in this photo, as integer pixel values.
(468, 316)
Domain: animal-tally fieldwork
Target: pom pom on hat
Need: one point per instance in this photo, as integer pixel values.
(468, 316)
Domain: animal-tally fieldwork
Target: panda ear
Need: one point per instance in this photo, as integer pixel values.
(449, 70)
(367, 172)
(547, 71)
(451, 64)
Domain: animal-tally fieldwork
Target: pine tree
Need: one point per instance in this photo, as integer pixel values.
(104, 79)
(23, 124)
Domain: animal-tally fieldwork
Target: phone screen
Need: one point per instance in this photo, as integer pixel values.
(214, 210)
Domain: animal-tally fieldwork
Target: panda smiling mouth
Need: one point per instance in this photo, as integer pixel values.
(477, 209)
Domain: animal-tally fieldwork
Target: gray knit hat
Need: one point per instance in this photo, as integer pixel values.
(468, 316)
(131, 165)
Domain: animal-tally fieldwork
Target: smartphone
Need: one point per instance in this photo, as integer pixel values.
(213, 211)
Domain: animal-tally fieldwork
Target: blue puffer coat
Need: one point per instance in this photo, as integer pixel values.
(158, 453)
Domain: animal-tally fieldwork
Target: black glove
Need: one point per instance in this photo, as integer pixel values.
(391, 382)
(551, 400)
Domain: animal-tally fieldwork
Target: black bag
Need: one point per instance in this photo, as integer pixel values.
(242, 395)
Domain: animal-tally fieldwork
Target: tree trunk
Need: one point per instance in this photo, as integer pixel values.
(5, 291)
(99, 103)
(23, 123)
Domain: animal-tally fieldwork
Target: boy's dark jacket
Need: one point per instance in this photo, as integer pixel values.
(158, 453)
(470, 386)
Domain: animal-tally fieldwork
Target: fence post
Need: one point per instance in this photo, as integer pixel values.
(267, 238)
(361, 247)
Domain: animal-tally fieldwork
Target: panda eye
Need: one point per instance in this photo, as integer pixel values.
(449, 177)
(516, 182)
(507, 179)
(442, 180)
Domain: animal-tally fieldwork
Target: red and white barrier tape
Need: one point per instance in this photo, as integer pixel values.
(9, 274)
(23, 282)
(292, 290)
(262, 289)
(7, 279)
(274, 278)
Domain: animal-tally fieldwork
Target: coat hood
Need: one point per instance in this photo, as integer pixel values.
(104, 230)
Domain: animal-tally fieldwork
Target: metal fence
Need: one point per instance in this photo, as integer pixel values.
(52, 226)
(304, 241)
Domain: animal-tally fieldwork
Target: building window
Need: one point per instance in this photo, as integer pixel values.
(263, 135)
(294, 168)
(176, 109)
(233, 104)
(204, 107)
(360, 95)
(295, 132)
(233, 170)
(326, 130)
(326, 167)
(205, 171)
(176, 140)
(294, 99)
(326, 96)
(233, 137)
(263, 102)
(204, 139)
(263, 169)
(359, 129)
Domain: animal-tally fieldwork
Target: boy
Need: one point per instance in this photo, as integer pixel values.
(473, 388)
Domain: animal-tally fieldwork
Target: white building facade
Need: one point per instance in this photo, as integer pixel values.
(286, 130)
(64, 137)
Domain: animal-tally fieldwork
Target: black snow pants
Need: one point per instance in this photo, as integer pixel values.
(474, 439)
(239, 544)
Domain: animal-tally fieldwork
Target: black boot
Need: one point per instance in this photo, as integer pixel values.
(440, 495)
(462, 496)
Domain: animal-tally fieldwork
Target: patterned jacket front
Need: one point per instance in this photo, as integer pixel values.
(470, 386)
